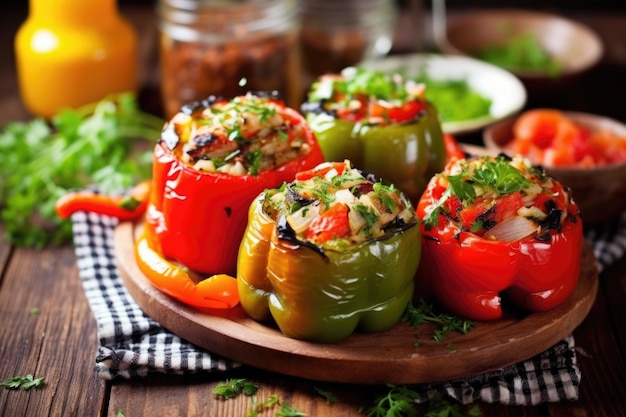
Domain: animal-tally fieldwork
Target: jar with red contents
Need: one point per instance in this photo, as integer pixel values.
(226, 48)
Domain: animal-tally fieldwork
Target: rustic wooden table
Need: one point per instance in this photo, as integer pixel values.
(60, 341)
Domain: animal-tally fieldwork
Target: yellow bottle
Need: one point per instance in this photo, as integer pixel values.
(70, 53)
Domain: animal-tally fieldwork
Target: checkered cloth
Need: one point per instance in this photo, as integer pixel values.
(134, 345)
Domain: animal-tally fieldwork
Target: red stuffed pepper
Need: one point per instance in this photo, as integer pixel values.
(495, 226)
(213, 159)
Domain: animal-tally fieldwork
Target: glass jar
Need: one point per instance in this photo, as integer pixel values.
(227, 48)
(339, 33)
(70, 53)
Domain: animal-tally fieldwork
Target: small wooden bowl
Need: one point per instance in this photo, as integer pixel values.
(600, 192)
(573, 45)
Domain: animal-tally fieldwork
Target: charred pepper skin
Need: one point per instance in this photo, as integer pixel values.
(403, 145)
(198, 218)
(325, 297)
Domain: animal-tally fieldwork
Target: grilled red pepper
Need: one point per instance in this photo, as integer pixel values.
(493, 226)
(130, 206)
(213, 159)
(215, 292)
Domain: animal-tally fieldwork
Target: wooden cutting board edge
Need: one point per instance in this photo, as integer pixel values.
(388, 357)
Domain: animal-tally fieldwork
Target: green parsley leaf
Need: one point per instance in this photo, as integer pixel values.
(370, 216)
(501, 176)
(397, 402)
(288, 411)
(254, 159)
(329, 396)
(461, 188)
(100, 144)
(24, 382)
(382, 192)
(425, 313)
(432, 219)
(400, 401)
(233, 387)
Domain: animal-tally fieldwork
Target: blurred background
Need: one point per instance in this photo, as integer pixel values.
(412, 33)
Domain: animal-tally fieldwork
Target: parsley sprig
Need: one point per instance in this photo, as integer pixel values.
(232, 388)
(497, 175)
(358, 82)
(401, 400)
(501, 176)
(23, 382)
(425, 312)
(99, 144)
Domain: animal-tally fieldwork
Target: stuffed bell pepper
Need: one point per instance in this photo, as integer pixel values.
(214, 157)
(381, 122)
(497, 227)
(328, 253)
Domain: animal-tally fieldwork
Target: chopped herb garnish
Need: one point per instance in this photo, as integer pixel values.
(370, 216)
(461, 188)
(328, 396)
(500, 176)
(383, 192)
(282, 134)
(23, 382)
(446, 322)
(233, 387)
(254, 159)
(496, 175)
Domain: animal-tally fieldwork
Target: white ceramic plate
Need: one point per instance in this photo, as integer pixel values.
(507, 93)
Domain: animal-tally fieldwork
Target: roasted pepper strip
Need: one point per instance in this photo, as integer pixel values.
(198, 217)
(466, 261)
(215, 292)
(379, 122)
(130, 206)
(322, 292)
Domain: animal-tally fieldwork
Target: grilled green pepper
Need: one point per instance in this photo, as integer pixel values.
(328, 253)
(380, 122)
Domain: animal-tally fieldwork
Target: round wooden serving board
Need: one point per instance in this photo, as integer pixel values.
(388, 357)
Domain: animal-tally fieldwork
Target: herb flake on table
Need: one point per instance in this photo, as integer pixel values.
(23, 382)
(400, 401)
(426, 312)
(231, 388)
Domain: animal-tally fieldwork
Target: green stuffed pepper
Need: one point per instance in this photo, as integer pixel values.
(329, 253)
(379, 121)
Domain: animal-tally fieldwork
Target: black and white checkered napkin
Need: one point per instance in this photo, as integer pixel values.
(132, 344)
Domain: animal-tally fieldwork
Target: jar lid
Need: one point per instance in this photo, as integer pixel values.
(216, 20)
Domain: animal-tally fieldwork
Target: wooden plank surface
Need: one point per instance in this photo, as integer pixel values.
(600, 352)
(57, 342)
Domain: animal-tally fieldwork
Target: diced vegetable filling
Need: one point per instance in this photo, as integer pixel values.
(247, 135)
(498, 198)
(367, 96)
(336, 205)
